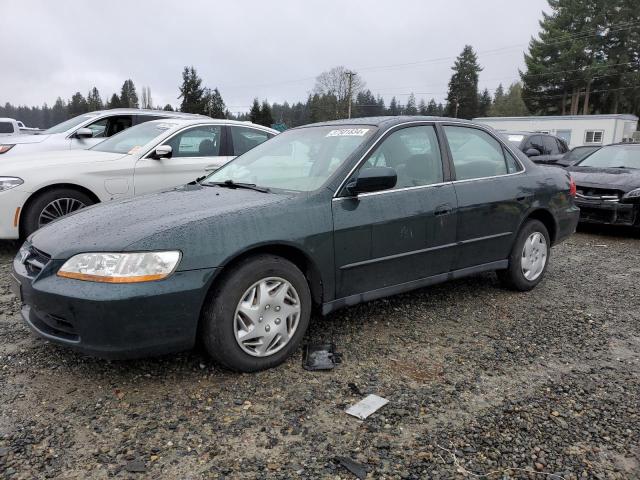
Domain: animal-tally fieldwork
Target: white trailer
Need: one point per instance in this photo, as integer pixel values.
(576, 130)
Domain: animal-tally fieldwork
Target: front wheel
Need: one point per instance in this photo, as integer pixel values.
(529, 257)
(257, 315)
(51, 205)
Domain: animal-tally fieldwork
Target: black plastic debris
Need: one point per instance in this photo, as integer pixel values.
(321, 356)
(358, 469)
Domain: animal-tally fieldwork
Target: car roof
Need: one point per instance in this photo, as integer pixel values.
(390, 121)
(202, 120)
(145, 111)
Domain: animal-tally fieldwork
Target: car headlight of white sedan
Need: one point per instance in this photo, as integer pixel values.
(120, 267)
(633, 194)
(7, 183)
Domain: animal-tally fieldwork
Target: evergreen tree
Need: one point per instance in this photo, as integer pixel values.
(394, 108)
(94, 102)
(77, 105)
(440, 110)
(59, 112)
(168, 108)
(422, 107)
(510, 104)
(484, 103)
(128, 95)
(266, 117)
(462, 99)
(114, 102)
(254, 114)
(432, 108)
(410, 108)
(214, 105)
(191, 92)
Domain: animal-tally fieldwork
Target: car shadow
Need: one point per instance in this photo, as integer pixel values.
(609, 230)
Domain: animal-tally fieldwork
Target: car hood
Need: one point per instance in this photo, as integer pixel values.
(115, 226)
(20, 164)
(625, 179)
(21, 139)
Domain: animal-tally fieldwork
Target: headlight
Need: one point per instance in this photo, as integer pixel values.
(5, 148)
(632, 194)
(9, 182)
(120, 267)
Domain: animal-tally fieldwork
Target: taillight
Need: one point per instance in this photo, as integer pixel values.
(572, 187)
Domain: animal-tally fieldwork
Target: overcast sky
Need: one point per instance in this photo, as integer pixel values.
(255, 48)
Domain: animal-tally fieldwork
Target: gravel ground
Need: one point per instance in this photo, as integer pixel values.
(481, 381)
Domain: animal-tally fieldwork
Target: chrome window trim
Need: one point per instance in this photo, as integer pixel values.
(426, 123)
(401, 189)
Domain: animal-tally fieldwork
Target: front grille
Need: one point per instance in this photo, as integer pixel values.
(598, 194)
(36, 260)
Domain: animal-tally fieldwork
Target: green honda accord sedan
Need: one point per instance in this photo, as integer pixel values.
(318, 218)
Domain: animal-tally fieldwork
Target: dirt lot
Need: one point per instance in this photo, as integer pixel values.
(481, 381)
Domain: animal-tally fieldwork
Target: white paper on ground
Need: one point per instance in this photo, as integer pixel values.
(366, 406)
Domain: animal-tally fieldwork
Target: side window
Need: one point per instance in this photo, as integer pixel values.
(108, 126)
(203, 141)
(244, 139)
(513, 165)
(147, 118)
(476, 154)
(550, 145)
(6, 127)
(414, 153)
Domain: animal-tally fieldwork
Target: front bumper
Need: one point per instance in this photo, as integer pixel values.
(609, 213)
(10, 201)
(111, 320)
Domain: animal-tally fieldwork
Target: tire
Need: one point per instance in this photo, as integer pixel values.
(67, 196)
(516, 276)
(224, 322)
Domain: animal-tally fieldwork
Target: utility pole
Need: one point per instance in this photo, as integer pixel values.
(350, 75)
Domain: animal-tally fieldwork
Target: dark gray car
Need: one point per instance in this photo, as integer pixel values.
(323, 216)
(539, 147)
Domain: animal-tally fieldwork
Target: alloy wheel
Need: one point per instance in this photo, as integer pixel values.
(534, 256)
(58, 208)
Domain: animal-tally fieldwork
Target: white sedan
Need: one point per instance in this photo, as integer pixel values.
(160, 154)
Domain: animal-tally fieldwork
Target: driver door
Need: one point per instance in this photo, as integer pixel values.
(196, 151)
(403, 234)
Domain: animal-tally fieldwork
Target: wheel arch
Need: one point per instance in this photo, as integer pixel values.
(290, 252)
(548, 220)
(48, 188)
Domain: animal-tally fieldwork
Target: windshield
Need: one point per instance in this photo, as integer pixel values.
(133, 139)
(614, 157)
(579, 153)
(67, 124)
(297, 160)
(513, 138)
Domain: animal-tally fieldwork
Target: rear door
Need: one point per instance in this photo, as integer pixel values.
(194, 151)
(400, 235)
(490, 194)
(244, 139)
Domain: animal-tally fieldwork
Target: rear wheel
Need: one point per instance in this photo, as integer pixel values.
(257, 315)
(51, 205)
(529, 257)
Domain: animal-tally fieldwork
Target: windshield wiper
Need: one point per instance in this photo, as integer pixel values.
(233, 185)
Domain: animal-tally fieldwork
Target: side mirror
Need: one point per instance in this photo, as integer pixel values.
(84, 133)
(532, 152)
(163, 151)
(372, 180)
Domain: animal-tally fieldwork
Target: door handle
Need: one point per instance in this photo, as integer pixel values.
(444, 209)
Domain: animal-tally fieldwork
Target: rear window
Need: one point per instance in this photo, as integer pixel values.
(6, 127)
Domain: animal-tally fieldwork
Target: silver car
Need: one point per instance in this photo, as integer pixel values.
(86, 130)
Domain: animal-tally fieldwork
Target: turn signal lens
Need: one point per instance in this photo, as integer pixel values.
(5, 148)
(572, 187)
(120, 267)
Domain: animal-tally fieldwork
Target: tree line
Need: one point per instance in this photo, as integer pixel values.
(585, 60)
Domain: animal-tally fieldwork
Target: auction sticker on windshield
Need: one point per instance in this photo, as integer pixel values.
(348, 132)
